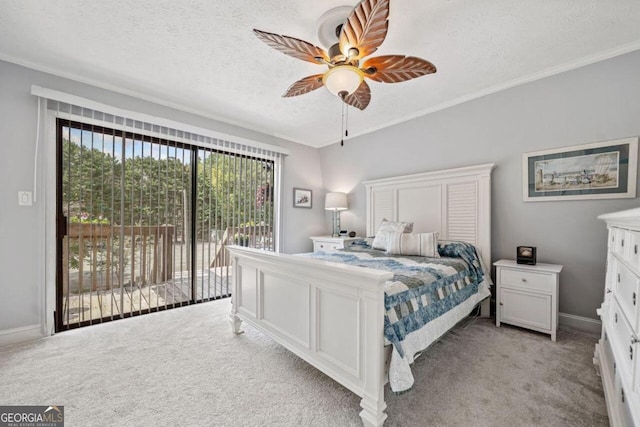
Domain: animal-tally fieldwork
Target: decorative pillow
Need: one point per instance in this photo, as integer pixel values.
(386, 227)
(421, 244)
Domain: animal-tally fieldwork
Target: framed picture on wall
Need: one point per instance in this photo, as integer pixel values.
(301, 198)
(600, 170)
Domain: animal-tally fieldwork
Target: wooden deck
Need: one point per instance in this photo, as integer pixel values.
(211, 283)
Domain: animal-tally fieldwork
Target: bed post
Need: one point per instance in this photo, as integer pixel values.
(484, 230)
(235, 323)
(372, 403)
(485, 307)
(234, 320)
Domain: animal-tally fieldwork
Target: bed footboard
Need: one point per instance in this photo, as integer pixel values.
(331, 315)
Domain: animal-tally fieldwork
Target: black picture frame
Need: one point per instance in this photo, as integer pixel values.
(599, 170)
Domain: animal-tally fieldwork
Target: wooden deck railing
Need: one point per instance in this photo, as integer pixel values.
(251, 236)
(148, 249)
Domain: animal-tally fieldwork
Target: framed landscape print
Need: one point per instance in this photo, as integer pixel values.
(600, 170)
(301, 198)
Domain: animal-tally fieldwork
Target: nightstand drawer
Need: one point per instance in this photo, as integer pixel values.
(525, 309)
(328, 243)
(528, 280)
(326, 246)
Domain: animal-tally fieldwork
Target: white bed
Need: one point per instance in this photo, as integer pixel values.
(332, 315)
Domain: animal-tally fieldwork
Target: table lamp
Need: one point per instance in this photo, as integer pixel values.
(336, 202)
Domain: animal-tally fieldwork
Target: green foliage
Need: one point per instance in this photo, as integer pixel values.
(102, 188)
(85, 218)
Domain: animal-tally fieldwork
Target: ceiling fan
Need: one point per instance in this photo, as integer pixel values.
(360, 35)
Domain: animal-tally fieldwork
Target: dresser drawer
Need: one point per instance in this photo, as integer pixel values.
(626, 292)
(633, 251)
(623, 342)
(529, 280)
(609, 362)
(620, 241)
(610, 279)
(611, 240)
(624, 401)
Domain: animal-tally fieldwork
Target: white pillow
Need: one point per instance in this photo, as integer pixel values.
(421, 244)
(386, 227)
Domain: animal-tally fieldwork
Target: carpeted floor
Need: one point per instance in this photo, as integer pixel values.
(184, 367)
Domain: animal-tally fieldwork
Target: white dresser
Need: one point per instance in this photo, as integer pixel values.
(617, 353)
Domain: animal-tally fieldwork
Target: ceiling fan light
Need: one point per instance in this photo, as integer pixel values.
(343, 78)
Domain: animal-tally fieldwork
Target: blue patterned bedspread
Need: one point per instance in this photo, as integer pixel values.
(421, 289)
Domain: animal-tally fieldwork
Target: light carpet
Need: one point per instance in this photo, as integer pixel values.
(184, 367)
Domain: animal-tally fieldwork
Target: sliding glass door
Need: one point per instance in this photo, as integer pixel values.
(143, 221)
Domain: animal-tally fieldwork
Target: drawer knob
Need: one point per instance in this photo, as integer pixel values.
(622, 243)
(618, 277)
(635, 249)
(622, 394)
(634, 298)
(608, 290)
(631, 352)
(501, 303)
(615, 317)
(524, 280)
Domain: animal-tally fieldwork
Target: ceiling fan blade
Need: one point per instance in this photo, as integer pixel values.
(365, 29)
(305, 85)
(360, 98)
(396, 68)
(293, 47)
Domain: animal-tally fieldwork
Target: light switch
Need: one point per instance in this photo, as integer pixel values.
(25, 198)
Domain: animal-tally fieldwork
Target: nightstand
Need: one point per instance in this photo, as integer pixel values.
(527, 295)
(328, 243)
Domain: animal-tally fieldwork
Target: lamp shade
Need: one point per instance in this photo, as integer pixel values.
(343, 78)
(336, 202)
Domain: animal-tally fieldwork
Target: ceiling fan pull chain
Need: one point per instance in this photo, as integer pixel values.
(342, 125)
(346, 122)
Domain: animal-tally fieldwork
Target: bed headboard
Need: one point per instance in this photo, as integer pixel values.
(454, 202)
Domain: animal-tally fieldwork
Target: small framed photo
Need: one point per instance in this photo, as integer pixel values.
(526, 255)
(301, 198)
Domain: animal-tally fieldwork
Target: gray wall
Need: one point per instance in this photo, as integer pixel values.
(594, 103)
(22, 228)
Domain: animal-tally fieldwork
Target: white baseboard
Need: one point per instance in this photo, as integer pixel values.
(16, 335)
(585, 324)
(32, 332)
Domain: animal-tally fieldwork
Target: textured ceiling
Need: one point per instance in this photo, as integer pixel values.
(201, 55)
